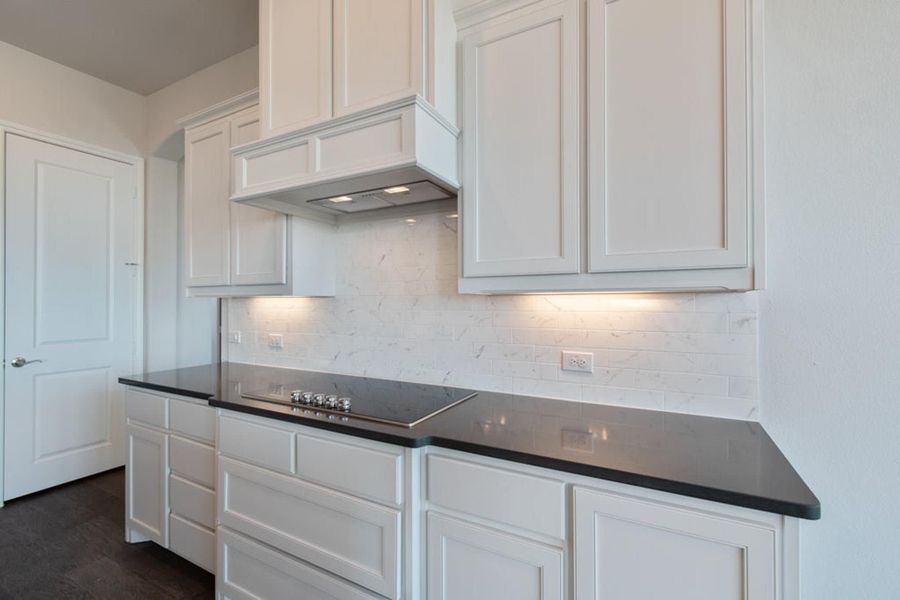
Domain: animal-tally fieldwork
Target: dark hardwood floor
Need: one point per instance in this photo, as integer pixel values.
(68, 543)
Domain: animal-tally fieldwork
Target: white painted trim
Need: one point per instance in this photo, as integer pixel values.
(219, 109)
(387, 107)
(137, 163)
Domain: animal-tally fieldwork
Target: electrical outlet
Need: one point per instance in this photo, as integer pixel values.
(276, 340)
(580, 362)
(234, 337)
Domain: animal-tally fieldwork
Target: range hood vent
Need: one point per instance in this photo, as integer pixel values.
(401, 195)
(397, 155)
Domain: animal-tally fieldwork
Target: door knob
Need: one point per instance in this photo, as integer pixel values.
(20, 361)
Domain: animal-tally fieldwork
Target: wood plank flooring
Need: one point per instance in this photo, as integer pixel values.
(68, 542)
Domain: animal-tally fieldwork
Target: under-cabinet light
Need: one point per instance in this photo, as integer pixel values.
(400, 189)
(340, 199)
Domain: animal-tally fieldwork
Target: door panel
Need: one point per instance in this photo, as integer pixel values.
(364, 78)
(295, 64)
(471, 562)
(618, 541)
(70, 302)
(207, 204)
(147, 479)
(258, 236)
(668, 135)
(521, 195)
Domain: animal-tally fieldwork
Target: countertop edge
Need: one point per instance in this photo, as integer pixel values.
(165, 388)
(810, 512)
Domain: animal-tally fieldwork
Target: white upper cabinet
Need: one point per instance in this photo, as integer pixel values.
(668, 134)
(294, 64)
(324, 59)
(258, 236)
(206, 194)
(233, 249)
(378, 52)
(521, 196)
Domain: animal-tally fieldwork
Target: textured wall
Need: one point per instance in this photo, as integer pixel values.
(397, 315)
(830, 318)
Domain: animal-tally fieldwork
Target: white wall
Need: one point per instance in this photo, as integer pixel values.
(45, 95)
(397, 315)
(830, 319)
(200, 90)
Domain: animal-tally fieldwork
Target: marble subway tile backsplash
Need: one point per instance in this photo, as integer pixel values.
(397, 315)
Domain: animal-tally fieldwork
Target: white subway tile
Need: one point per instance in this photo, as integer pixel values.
(398, 315)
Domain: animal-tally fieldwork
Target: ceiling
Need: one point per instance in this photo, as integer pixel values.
(140, 45)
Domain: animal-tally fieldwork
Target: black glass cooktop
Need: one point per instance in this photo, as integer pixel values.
(384, 401)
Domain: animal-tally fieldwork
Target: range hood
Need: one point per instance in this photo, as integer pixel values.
(396, 155)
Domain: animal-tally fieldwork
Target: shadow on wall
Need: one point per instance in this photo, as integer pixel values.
(172, 148)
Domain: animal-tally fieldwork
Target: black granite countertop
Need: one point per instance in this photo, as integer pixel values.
(723, 460)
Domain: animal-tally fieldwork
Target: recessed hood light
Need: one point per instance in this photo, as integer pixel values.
(413, 192)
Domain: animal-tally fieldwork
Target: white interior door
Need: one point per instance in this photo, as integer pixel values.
(71, 304)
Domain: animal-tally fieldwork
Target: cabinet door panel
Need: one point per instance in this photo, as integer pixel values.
(147, 483)
(378, 52)
(521, 196)
(206, 203)
(471, 562)
(258, 236)
(294, 64)
(668, 169)
(618, 541)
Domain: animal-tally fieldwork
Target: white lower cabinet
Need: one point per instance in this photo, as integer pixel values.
(355, 539)
(146, 508)
(628, 548)
(296, 512)
(170, 491)
(473, 562)
(193, 542)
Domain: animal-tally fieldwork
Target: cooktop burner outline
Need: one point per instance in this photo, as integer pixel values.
(397, 403)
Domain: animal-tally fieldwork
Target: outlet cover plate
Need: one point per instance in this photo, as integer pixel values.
(578, 362)
(276, 340)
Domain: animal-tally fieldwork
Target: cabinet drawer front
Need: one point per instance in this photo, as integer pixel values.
(195, 543)
(478, 563)
(376, 473)
(193, 461)
(249, 571)
(352, 538)
(192, 501)
(193, 420)
(525, 501)
(148, 409)
(258, 444)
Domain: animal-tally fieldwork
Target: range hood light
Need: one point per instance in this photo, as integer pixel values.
(400, 189)
(340, 199)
